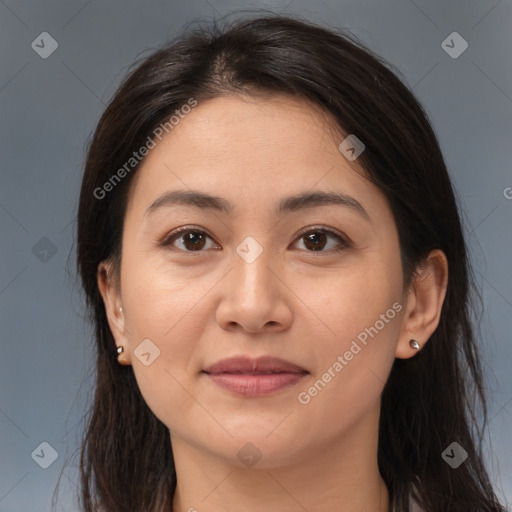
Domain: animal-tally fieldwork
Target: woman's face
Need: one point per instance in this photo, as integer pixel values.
(316, 283)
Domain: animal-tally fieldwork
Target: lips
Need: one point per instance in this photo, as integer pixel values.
(248, 377)
(262, 365)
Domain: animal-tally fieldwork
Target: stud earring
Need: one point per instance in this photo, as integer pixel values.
(120, 350)
(414, 344)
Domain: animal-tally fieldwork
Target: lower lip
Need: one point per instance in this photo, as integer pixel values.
(244, 384)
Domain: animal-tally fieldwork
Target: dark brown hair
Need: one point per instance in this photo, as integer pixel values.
(430, 400)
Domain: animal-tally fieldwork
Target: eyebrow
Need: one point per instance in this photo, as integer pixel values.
(205, 201)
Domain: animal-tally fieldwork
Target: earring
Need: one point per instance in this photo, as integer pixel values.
(120, 350)
(414, 344)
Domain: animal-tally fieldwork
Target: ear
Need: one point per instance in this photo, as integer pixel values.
(110, 291)
(424, 302)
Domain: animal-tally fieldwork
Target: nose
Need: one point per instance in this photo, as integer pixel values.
(255, 297)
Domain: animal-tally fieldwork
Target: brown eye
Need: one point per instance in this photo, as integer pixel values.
(315, 240)
(192, 240)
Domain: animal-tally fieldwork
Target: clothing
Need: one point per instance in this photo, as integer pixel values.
(415, 507)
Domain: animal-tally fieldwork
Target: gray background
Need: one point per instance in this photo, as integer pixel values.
(49, 107)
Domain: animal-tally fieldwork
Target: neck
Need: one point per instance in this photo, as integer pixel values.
(337, 474)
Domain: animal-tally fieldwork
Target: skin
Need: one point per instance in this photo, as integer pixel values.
(292, 302)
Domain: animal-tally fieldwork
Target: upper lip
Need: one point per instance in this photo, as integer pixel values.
(244, 364)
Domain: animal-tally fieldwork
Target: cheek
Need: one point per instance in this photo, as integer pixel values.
(359, 309)
(164, 382)
(161, 297)
(350, 300)
(161, 308)
(354, 362)
(168, 315)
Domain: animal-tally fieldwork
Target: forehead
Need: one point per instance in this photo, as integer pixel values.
(238, 128)
(250, 150)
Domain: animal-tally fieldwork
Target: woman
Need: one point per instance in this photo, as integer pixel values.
(273, 257)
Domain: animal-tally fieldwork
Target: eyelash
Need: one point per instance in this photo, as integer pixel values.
(174, 235)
